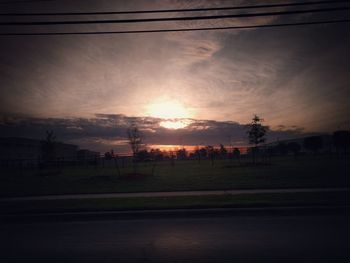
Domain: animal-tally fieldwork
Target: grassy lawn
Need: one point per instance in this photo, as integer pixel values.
(135, 203)
(314, 171)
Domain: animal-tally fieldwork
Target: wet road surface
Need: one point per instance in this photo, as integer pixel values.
(263, 238)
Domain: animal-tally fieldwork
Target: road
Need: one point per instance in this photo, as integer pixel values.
(175, 193)
(244, 238)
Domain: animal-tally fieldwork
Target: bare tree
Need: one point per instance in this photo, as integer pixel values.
(223, 152)
(48, 147)
(211, 153)
(236, 153)
(135, 139)
(256, 134)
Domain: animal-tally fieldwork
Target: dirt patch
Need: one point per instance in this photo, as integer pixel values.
(134, 176)
(247, 165)
(97, 179)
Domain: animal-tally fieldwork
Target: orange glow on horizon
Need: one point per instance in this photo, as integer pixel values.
(172, 147)
(191, 148)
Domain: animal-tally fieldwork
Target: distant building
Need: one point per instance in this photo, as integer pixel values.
(17, 148)
(85, 155)
(66, 151)
(327, 143)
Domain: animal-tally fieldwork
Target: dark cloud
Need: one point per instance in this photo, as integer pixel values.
(106, 131)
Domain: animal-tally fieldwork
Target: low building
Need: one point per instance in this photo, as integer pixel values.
(66, 151)
(15, 148)
(24, 151)
(327, 143)
(85, 155)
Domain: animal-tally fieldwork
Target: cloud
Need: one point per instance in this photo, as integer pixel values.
(105, 131)
(288, 75)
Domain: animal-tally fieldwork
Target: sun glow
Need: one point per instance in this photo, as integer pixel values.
(174, 124)
(175, 114)
(168, 110)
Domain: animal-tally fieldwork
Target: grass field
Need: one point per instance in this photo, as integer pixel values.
(287, 172)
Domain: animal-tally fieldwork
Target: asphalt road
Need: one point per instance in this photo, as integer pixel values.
(262, 238)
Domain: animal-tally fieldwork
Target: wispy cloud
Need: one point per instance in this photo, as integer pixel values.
(296, 75)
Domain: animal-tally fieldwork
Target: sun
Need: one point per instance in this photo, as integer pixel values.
(174, 124)
(168, 110)
(173, 113)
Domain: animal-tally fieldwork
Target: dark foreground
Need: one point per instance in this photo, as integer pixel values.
(224, 238)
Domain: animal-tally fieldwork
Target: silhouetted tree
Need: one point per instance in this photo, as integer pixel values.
(48, 147)
(143, 155)
(313, 143)
(294, 147)
(156, 154)
(256, 134)
(203, 152)
(341, 140)
(181, 154)
(282, 148)
(236, 153)
(172, 158)
(197, 154)
(222, 152)
(112, 156)
(211, 153)
(108, 155)
(135, 139)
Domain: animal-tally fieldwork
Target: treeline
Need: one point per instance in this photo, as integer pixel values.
(339, 144)
(200, 153)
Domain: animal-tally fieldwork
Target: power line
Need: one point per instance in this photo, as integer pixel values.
(24, 1)
(174, 30)
(176, 10)
(163, 19)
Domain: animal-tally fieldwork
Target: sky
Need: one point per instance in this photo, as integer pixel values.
(180, 88)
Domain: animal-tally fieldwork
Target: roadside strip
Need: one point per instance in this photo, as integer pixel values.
(176, 213)
(174, 193)
(133, 205)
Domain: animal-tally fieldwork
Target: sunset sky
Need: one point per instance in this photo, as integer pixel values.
(90, 88)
